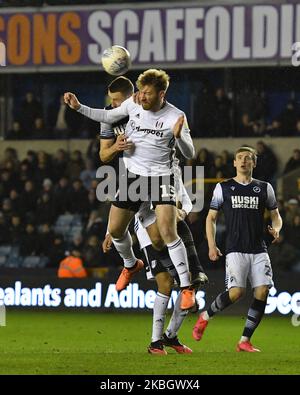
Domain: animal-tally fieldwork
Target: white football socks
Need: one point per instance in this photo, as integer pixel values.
(159, 315)
(244, 339)
(205, 315)
(179, 258)
(124, 248)
(176, 320)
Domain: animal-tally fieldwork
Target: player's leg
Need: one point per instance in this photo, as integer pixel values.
(164, 203)
(161, 255)
(170, 338)
(260, 277)
(155, 236)
(148, 218)
(222, 301)
(198, 277)
(155, 267)
(119, 219)
(164, 260)
(154, 270)
(256, 311)
(164, 285)
(166, 222)
(237, 269)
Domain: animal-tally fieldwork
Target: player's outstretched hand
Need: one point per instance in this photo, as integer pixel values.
(178, 126)
(71, 100)
(214, 253)
(106, 245)
(122, 143)
(274, 233)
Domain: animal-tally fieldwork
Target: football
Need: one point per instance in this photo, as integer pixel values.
(116, 60)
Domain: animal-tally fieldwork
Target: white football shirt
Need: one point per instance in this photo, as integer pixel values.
(151, 134)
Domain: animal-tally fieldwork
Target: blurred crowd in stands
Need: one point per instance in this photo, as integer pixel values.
(59, 121)
(245, 116)
(49, 208)
(217, 116)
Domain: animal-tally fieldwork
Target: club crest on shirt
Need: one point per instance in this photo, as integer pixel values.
(132, 124)
(159, 125)
(256, 189)
(153, 264)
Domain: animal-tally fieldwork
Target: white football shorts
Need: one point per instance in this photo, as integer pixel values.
(146, 215)
(256, 267)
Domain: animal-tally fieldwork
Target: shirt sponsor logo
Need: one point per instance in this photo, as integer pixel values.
(149, 131)
(245, 202)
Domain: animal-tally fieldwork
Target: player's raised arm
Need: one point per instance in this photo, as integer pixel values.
(96, 114)
(183, 138)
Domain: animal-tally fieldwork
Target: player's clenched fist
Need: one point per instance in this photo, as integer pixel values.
(214, 253)
(71, 100)
(274, 232)
(122, 143)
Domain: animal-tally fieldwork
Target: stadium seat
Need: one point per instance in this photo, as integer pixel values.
(13, 262)
(75, 230)
(3, 259)
(64, 220)
(76, 220)
(62, 229)
(31, 261)
(15, 251)
(5, 250)
(44, 260)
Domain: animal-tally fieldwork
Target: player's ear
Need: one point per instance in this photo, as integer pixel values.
(234, 162)
(162, 94)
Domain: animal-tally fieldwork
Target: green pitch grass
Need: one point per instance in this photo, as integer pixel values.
(116, 343)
